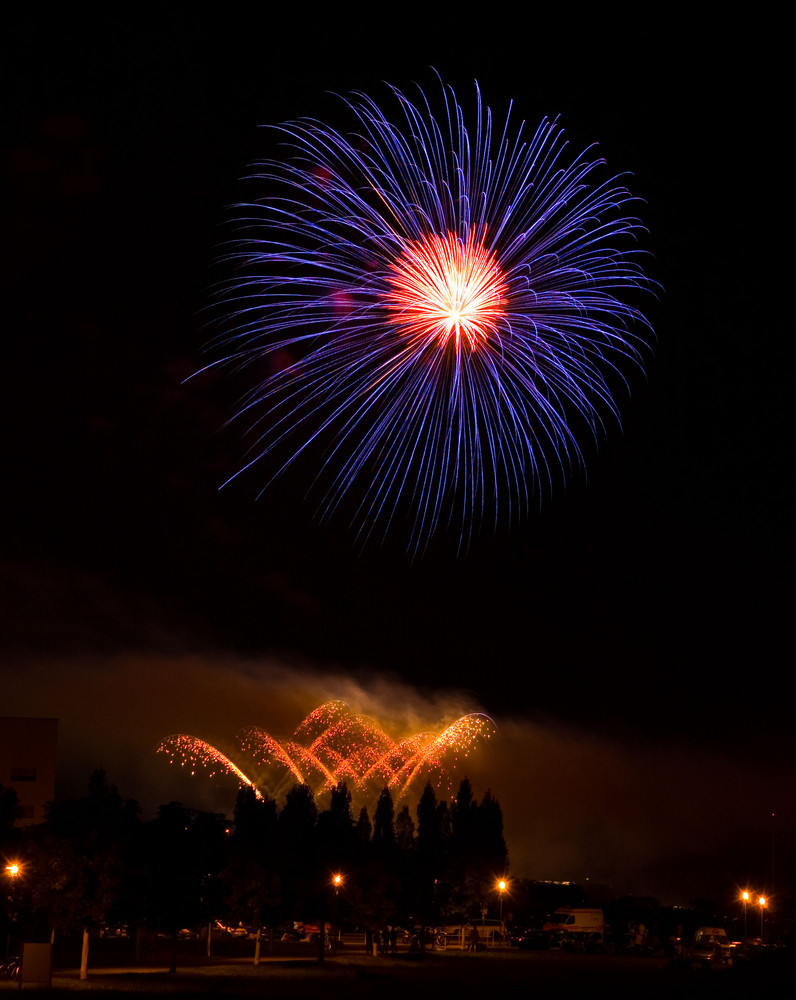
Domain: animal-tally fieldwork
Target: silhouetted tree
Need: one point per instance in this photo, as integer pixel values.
(384, 822)
(463, 822)
(405, 832)
(251, 872)
(430, 859)
(490, 845)
(298, 852)
(336, 831)
(185, 854)
(477, 854)
(379, 877)
(81, 860)
(364, 829)
(9, 836)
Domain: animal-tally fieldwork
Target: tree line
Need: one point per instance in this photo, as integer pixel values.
(94, 862)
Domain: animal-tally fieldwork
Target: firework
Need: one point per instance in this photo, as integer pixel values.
(333, 744)
(441, 309)
(193, 753)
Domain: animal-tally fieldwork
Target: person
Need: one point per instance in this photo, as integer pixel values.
(473, 939)
(393, 940)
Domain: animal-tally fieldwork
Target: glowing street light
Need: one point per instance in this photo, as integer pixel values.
(745, 900)
(13, 870)
(502, 886)
(762, 904)
(337, 881)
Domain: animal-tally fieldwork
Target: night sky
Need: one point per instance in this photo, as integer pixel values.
(631, 639)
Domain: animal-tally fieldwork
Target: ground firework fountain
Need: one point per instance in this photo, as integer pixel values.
(334, 744)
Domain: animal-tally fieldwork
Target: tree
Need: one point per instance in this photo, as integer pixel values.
(81, 860)
(478, 854)
(298, 852)
(336, 831)
(364, 829)
(185, 854)
(9, 813)
(380, 876)
(490, 845)
(463, 821)
(384, 822)
(405, 832)
(251, 871)
(430, 861)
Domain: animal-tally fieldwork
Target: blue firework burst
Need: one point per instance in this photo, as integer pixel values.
(443, 309)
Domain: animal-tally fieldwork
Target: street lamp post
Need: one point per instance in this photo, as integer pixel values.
(337, 881)
(762, 904)
(13, 871)
(745, 899)
(502, 885)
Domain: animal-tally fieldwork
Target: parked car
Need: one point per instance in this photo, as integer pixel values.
(708, 949)
(530, 938)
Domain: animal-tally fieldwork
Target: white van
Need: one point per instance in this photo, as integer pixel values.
(576, 927)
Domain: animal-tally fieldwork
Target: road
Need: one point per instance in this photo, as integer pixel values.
(443, 976)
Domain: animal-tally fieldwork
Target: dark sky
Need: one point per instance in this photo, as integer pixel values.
(631, 636)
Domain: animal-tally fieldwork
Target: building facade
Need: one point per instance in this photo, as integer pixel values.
(27, 763)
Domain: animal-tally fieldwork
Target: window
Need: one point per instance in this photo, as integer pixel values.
(23, 773)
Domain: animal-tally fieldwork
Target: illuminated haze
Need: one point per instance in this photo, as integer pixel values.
(576, 806)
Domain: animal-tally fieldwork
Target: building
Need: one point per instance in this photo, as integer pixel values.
(27, 763)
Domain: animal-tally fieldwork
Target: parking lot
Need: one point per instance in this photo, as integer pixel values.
(493, 975)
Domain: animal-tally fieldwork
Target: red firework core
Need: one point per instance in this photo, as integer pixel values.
(447, 290)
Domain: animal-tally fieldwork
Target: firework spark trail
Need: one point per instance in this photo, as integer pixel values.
(257, 739)
(196, 753)
(311, 760)
(322, 718)
(458, 737)
(451, 297)
(345, 747)
(406, 749)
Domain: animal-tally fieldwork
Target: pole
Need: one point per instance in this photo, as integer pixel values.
(322, 935)
(84, 955)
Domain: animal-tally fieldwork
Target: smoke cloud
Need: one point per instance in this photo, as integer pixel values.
(667, 821)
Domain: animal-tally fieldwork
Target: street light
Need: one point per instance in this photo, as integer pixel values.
(745, 898)
(337, 881)
(13, 871)
(502, 886)
(762, 904)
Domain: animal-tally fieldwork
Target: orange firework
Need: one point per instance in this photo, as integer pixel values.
(333, 744)
(196, 753)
